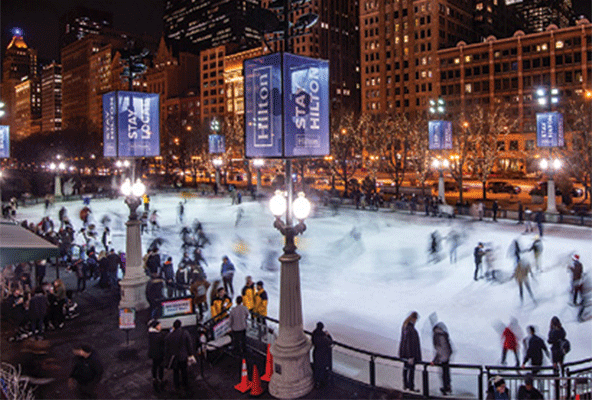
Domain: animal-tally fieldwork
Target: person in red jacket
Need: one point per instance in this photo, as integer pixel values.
(510, 342)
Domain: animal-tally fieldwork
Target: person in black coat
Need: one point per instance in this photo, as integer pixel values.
(153, 261)
(494, 209)
(321, 355)
(556, 336)
(154, 294)
(114, 263)
(443, 350)
(87, 371)
(156, 353)
(478, 254)
(40, 271)
(527, 391)
(178, 348)
(535, 346)
(409, 350)
(37, 311)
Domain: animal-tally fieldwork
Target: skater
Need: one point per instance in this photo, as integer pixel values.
(443, 351)
(154, 221)
(146, 202)
(521, 273)
(515, 251)
(535, 347)
(480, 210)
(156, 353)
(576, 278)
(410, 350)
(510, 341)
(556, 339)
(106, 238)
(434, 249)
(494, 209)
(528, 219)
(454, 238)
(227, 272)
(520, 213)
(321, 355)
(181, 211)
(539, 220)
(199, 290)
(478, 253)
(537, 249)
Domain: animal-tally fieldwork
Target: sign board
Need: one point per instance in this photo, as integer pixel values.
(221, 328)
(4, 141)
(440, 135)
(216, 144)
(177, 307)
(131, 124)
(286, 107)
(127, 318)
(550, 129)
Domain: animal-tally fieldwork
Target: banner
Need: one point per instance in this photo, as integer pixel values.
(4, 141)
(127, 318)
(131, 124)
(440, 135)
(176, 307)
(216, 144)
(550, 129)
(286, 106)
(263, 106)
(109, 127)
(306, 106)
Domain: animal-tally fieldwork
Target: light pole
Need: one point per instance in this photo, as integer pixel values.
(548, 98)
(440, 165)
(217, 164)
(550, 166)
(133, 284)
(258, 164)
(57, 168)
(292, 375)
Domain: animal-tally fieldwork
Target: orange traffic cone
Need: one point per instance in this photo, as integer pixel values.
(244, 384)
(256, 389)
(268, 366)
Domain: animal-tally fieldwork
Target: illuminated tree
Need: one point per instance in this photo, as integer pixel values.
(420, 157)
(346, 145)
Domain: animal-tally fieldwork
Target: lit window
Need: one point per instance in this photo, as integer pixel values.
(468, 88)
(406, 39)
(559, 44)
(423, 74)
(479, 6)
(468, 59)
(457, 60)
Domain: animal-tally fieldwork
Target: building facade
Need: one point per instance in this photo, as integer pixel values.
(80, 22)
(51, 97)
(537, 15)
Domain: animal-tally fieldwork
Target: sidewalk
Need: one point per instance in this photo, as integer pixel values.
(130, 377)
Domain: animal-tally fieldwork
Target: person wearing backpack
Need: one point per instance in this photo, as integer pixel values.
(559, 344)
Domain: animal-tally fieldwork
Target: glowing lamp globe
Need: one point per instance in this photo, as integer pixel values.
(301, 207)
(138, 189)
(544, 164)
(126, 187)
(445, 163)
(277, 204)
(52, 166)
(557, 163)
(436, 163)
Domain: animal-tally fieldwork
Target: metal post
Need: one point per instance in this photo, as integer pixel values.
(372, 371)
(426, 381)
(441, 188)
(551, 200)
(480, 383)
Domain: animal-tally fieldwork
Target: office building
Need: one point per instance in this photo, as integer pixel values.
(537, 15)
(51, 97)
(82, 21)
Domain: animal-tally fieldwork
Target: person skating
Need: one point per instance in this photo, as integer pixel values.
(238, 326)
(539, 220)
(494, 209)
(178, 349)
(227, 272)
(535, 347)
(87, 371)
(556, 337)
(106, 238)
(537, 249)
(478, 254)
(409, 350)
(181, 211)
(156, 353)
(577, 270)
(520, 213)
(510, 341)
(528, 391)
(443, 351)
(521, 273)
(321, 355)
(199, 290)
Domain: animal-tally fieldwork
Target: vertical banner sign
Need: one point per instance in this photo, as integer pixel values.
(127, 318)
(550, 129)
(440, 135)
(109, 127)
(4, 141)
(216, 144)
(263, 108)
(306, 106)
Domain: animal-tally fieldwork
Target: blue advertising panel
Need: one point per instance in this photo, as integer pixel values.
(550, 129)
(306, 106)
(440, 135)
(216, 144)
(109, 127)
(4, 141)
(263, 115)
(138, 124)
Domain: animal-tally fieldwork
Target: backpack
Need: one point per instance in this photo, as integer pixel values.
(565, 346)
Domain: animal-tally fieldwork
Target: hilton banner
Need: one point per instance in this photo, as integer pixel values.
(216, 144)
(550, 129)
(286, 106)
(4, 141)
(440, 134)
(131, 124)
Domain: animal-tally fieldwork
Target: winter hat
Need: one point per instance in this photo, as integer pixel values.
(498, 381)
(575, 257)
(528, 380)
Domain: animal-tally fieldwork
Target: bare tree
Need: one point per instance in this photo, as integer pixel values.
(419, 158)
(463, 138)
(346, 144)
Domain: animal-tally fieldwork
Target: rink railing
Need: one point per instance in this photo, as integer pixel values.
(470, 381)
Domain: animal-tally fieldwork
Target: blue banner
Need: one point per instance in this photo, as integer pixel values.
(306, 106)
(216, 144)
(263, 108)
(4, 141)
(109, 127)
(550, 129)
(440, 135)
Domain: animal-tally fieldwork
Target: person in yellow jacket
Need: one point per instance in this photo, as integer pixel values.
(221, 304)
(248, 294)
(260, 308)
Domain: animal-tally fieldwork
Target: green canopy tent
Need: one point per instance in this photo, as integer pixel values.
(18, 245)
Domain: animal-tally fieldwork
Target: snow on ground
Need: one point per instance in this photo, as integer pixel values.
(363, 272)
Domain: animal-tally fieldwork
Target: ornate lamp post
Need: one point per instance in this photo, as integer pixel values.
(440, 165)
(133, 284)
(548, 98)
(217, 164)
(258, 164)
(57, 168)
(550, 166)
(292, 376)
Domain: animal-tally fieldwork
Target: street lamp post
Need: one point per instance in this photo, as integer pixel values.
(217, 164)
(258, 164)
(551, 166)
(292, 377)
(57, 168)
(440, 165)
(548, 98)
(133, 284)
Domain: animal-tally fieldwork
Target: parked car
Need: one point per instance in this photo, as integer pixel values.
(450, 186)
(541, 190)
(502, 187)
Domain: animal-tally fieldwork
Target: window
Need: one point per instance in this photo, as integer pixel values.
(501, 146)
(513, 145)
(529, 144)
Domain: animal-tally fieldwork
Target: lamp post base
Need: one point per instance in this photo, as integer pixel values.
(292, 375)
(133, 293)
(551, 200)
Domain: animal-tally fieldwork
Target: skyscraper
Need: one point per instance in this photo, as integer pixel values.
(198, 25)
(537, 15)
(82, 21)
(51, 97)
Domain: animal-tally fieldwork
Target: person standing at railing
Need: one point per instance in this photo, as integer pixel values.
(260, 308)
(498, 390)
(321, 355)
(227, 272)
(409, 350)
(528, 391)
(248, 293)
(220, 305)
(556, 339)
(443, 352)
(238, 325)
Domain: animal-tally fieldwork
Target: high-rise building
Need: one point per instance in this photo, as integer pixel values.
(335, 37)
(82, 21)
(537, 15)
(27, 98)
(494, 17)
(198, 25)
(51, 97)
(399, 44)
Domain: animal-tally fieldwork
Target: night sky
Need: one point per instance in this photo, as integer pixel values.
(39, 19)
